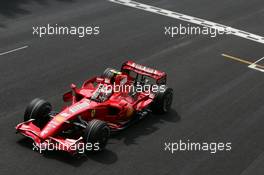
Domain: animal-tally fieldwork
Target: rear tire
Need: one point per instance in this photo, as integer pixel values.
(109, 73)
(97, 132)
(163, 100)
(38, 110)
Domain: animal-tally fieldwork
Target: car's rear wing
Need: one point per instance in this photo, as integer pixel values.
(158, 75)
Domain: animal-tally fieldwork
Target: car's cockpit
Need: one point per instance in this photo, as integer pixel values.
(102, 93)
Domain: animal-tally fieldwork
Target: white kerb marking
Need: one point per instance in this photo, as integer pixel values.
(191, 19)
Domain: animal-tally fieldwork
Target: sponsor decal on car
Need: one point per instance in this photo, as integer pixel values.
(59, 118)
(79, 106)
(64, 114)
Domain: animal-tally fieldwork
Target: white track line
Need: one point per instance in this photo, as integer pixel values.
(14, 50)
(258, 60)
(256, 66)
(252, 65)
(191, 19)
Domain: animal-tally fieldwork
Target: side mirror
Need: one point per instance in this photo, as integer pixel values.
(68, 96)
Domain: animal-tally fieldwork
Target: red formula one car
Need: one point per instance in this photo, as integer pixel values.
(105, 103)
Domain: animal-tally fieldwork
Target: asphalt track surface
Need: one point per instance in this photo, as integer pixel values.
(215, 98)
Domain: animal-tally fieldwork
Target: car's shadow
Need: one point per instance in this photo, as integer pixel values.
(104, 157)
(146, 126)
(129, 136)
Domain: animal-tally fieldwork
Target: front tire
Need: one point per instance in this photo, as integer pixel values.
(97, 132)
(38, 110)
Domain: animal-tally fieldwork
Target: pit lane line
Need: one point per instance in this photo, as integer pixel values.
(191, 19)
(13, 50)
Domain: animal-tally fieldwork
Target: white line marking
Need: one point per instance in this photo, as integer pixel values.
(258, 60)
(252, 65)
(14, 50)
(256, 66)
(191, 19)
